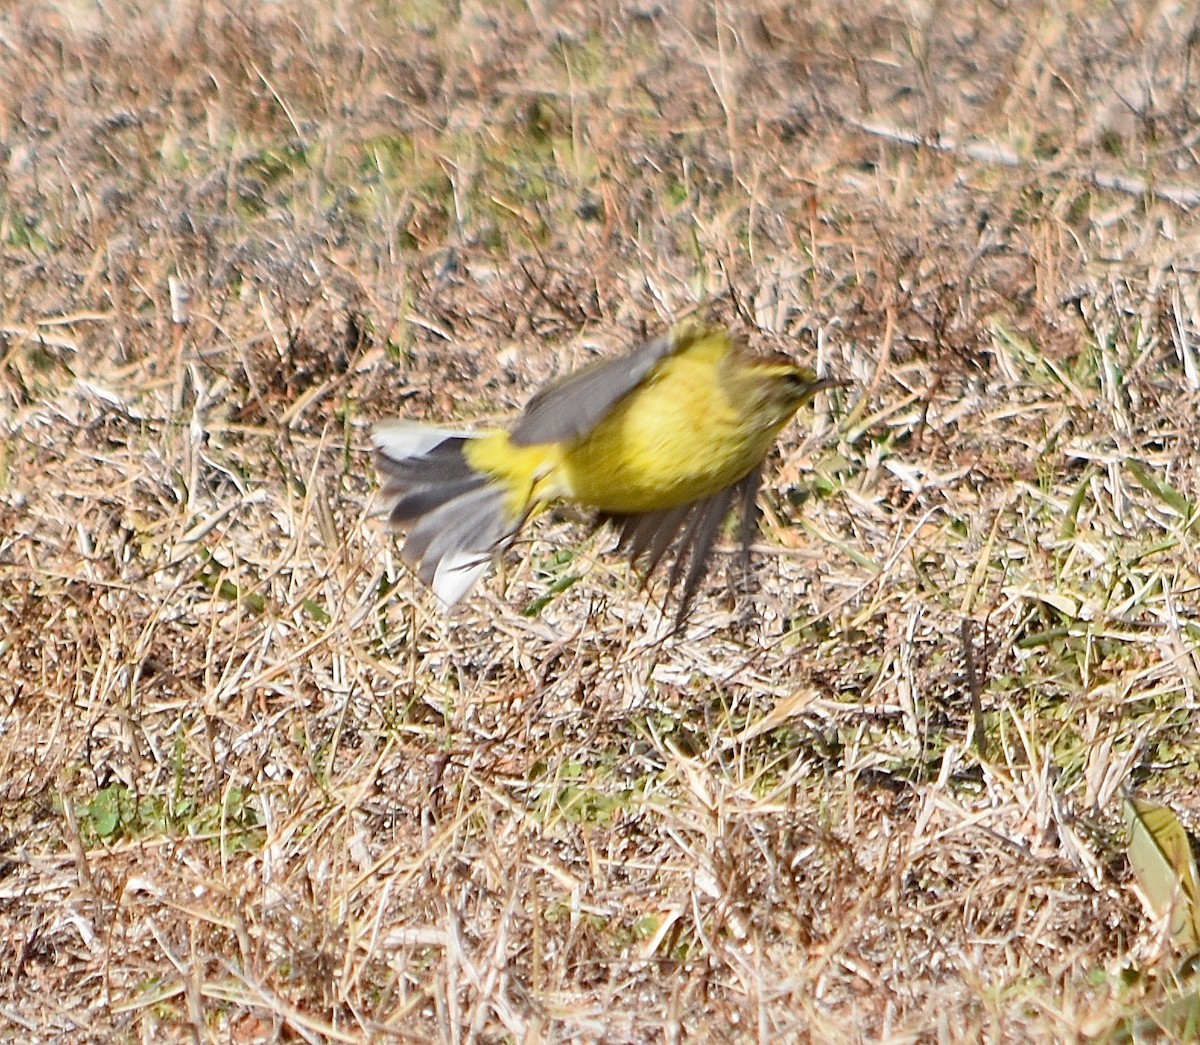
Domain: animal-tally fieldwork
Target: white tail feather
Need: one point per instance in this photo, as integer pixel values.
(401, 440)
(456, 518)
(457, 573)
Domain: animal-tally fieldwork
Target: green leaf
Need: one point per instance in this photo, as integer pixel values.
(1161, 856)
(105, 812)
(1165, 492)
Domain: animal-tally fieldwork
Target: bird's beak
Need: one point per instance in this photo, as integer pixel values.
(822, 383)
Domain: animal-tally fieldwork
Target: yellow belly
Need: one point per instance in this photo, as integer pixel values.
(675, 440)
(679, 437)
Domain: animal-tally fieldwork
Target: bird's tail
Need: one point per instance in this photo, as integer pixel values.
(457, 516)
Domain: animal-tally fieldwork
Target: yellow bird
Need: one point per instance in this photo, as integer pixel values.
(660, 440)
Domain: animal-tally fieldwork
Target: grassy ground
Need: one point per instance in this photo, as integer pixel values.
(255, 786)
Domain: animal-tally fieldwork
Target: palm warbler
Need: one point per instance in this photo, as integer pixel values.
(661, 440)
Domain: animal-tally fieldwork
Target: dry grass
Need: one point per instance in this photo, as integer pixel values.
(256, 787)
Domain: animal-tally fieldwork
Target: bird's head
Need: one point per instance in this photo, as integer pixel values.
(772, 388)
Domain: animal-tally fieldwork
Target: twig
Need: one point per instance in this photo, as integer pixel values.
(988, 152)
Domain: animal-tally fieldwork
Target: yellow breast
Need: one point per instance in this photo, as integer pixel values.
(676, 439)
(696, 424)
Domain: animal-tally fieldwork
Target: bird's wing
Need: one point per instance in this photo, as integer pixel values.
(646, 538)
(575, 405)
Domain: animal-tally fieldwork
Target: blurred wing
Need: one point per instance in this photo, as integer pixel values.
(648, 537)
(749, 512)
(575, 405)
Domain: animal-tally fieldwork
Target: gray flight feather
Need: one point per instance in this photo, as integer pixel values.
(648, 536)
(574, 406)
(697, 541)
